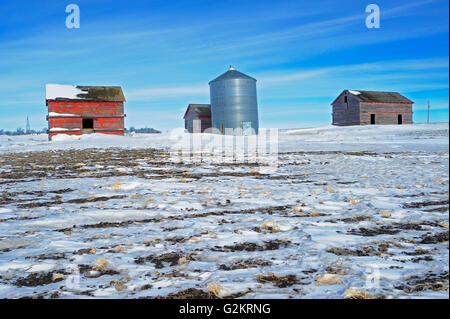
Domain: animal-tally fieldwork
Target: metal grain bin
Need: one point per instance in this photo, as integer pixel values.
(233, 103)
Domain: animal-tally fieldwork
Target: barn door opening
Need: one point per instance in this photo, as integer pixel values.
(372, 118)
(400, 119)
(88, 124)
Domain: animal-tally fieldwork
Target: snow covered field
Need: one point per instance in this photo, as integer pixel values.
(348, 212)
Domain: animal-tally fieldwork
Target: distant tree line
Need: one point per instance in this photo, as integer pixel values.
(21, 131)
(145, 130)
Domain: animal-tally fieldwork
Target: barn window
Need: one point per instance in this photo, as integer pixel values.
(400, 119)
(372, 118)
(345, 99)
(88, 123)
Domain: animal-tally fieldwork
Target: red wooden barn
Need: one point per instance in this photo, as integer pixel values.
(77, 110)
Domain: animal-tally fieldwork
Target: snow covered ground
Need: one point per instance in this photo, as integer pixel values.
(347, 212)
(417, 137)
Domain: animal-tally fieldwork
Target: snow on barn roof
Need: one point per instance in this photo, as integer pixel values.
(381, 97)
(87, 93)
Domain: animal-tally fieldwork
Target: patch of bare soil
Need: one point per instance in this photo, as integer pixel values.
(355, 153)
(354, 219)
(279, 281)
(268, 210)
(111, 224)
(190, 293)
(248, 246)
(38, 279)
(71, 201)
(309, 271)
(3, 220)
(440, 209)
(422, 258)
(60, 255)
(428, 281)
(385, 229)
(177, 239)
(336, 269)
(417, 252)
(426, 203)
(56, 256)
(364, 251)
(346, 182)
(44, 295)
(8, 197)
(435, 239)
(245, 264)
(89, 271)
(46, 278)
(172, 259)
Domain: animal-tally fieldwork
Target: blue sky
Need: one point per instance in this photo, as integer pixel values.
(163, 53)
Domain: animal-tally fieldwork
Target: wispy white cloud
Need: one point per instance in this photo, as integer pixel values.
(328, 76)
(354, 70)
(167, 92)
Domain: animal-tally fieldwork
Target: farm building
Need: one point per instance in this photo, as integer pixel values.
(77, 110)
(234, 106)
(370, 107)
(197, 118)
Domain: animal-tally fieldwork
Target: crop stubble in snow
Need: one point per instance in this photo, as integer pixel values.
(317, 227)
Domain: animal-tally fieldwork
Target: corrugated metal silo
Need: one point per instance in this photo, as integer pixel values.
(233, 102)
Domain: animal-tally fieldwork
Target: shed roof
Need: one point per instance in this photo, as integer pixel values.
(380, 97)
(84, 93)
(199, 109)
(232, 73)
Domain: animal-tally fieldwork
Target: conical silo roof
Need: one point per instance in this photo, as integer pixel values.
(232, 73)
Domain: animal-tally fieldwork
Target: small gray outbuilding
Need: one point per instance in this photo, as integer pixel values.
(356, 107)
(197, 118)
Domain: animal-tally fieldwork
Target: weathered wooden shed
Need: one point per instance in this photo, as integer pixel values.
(77, 110)
(353, 107)
(197, 118)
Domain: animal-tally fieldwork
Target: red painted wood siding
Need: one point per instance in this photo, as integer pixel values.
(65, 122)
(108, 117)
(108, 123)
(86, 108)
